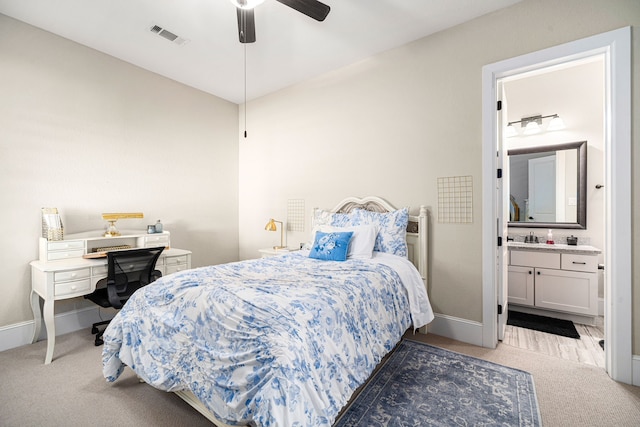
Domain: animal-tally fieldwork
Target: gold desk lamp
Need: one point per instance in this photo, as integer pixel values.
(112, 231)
(271, 226)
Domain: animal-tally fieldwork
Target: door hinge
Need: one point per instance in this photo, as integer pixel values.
(499, 105)
(499, 241)
(499, 308)
(500, 173)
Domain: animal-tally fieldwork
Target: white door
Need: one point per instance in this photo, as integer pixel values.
(502, 209)
(616, 46)
(542, 189)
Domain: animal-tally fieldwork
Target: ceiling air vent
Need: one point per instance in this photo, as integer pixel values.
(162, 32)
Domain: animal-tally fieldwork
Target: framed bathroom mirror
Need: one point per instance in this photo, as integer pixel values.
(548, 186)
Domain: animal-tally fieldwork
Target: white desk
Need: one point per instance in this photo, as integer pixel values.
(69, 275)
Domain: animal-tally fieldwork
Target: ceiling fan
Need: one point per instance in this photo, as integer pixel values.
(246, 22)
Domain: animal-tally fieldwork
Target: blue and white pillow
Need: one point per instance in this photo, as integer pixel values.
(392, 229)
(331, 246)
(322, 217)
(362, 242)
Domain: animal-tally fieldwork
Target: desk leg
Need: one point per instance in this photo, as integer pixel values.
(37, 316)
(50, 323)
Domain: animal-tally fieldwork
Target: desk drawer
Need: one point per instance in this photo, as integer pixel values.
(65, 276)
(74, 287)
(74, 253)
(100, 270)
(64, 245)
(155, 241)
(176, 263)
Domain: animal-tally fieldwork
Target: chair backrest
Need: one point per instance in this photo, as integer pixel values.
(128, 271)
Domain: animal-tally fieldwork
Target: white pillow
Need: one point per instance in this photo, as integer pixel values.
(362, 242)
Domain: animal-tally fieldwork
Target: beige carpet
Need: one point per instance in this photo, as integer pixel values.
(569, 393)
(72, 392)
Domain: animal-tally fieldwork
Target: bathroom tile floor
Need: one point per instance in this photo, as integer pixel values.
(585, 350)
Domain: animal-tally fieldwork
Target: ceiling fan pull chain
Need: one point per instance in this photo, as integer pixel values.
(245, 90)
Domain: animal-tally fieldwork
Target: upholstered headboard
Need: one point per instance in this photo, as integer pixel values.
(417, 229)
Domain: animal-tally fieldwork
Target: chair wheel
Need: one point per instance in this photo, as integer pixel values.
(94, 330)
(99, 342)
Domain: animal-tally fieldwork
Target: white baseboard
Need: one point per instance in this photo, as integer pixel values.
(600, 306)
(456, 328)
(19, 334)
(635, 370)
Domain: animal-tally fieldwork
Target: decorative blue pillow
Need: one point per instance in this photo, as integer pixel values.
(331, 246)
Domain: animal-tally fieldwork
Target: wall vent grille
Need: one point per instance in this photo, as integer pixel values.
(164, 33)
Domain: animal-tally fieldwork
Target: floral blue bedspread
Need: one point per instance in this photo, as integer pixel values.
(279, 341)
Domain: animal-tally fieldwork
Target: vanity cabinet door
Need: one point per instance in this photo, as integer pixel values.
(568, 291)
(521, 285)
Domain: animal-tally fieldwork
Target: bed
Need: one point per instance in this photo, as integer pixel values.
(284, 340)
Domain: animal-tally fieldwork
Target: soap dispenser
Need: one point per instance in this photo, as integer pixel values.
(549, 238)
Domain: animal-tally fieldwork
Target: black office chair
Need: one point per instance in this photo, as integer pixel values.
(128, 271)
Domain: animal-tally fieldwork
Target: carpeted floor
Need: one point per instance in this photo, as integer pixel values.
(72, 392)
(425, 385)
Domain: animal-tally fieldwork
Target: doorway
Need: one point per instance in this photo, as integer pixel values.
(615, 46)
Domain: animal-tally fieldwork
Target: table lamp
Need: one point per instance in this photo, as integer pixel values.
(271, 226)
(111, 218)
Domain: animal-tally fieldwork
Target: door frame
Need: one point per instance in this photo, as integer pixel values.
(616, 46)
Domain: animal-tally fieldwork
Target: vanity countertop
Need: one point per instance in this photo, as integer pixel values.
(563, 248)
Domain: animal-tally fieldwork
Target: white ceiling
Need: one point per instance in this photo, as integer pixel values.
(290, 47)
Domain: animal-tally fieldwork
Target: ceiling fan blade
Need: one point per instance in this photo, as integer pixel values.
(246, 25)
(312, 8)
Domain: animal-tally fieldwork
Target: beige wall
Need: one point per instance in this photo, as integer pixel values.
(394, 123)
(86, 133)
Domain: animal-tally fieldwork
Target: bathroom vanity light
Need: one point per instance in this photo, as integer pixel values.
(532, 125)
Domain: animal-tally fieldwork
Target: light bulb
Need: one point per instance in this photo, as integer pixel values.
(246, 4)
(531, 128)
(510, 131)
(555, 124)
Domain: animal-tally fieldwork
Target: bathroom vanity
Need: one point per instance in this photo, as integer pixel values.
(554, 280)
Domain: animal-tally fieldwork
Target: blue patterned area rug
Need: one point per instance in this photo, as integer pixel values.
(422, 385)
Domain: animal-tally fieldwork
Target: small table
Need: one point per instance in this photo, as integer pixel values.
(267, 252)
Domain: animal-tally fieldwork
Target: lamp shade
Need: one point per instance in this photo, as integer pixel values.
(510, 131)
(556, 123)
(271, 225)
(531, 128)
